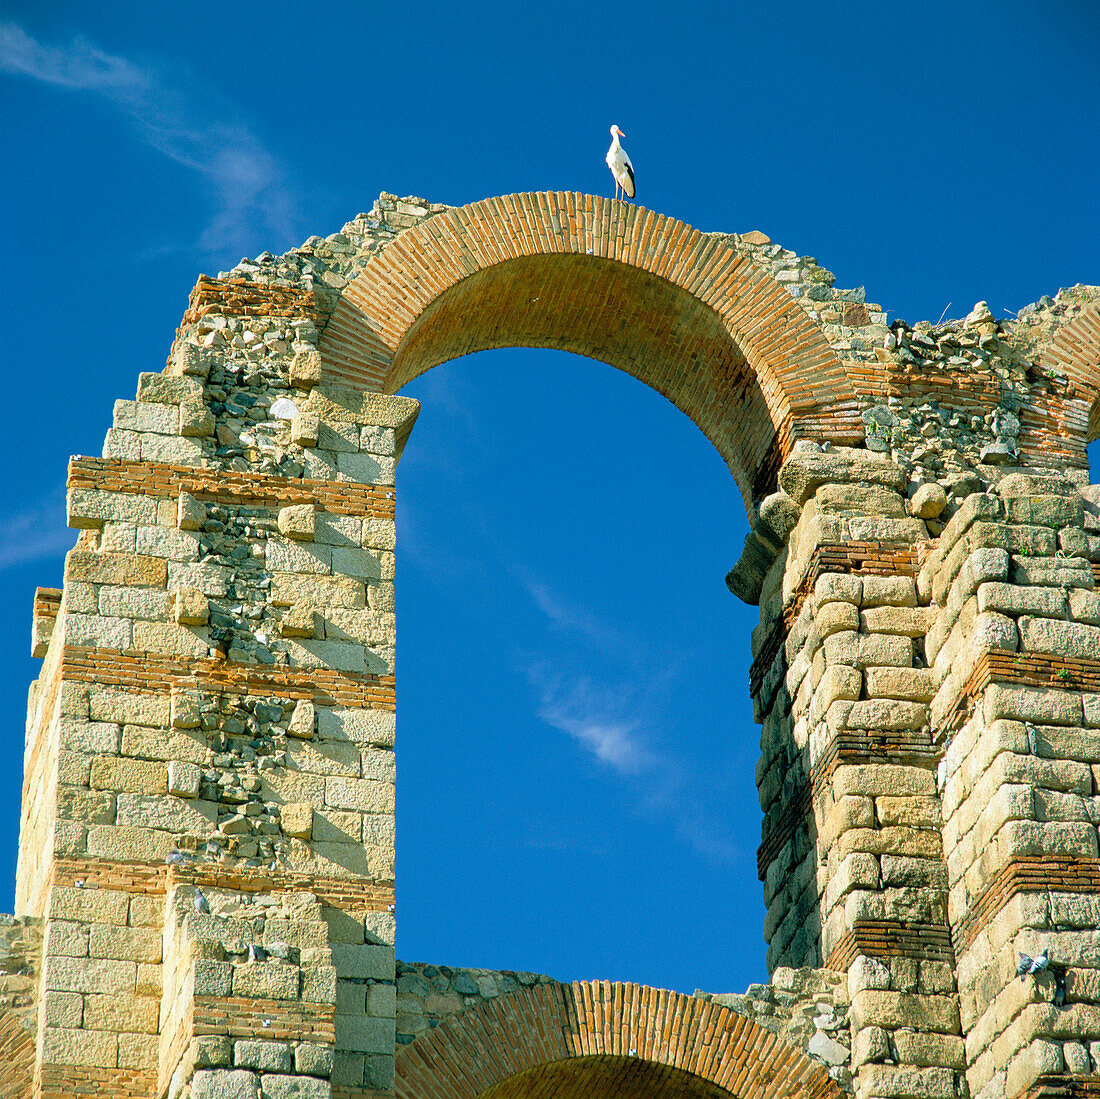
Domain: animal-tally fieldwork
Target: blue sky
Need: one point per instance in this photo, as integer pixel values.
(576, 747)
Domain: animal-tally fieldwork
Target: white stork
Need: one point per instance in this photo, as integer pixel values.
(620, 165)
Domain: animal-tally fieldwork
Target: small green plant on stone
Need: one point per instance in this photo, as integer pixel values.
(1063, 674)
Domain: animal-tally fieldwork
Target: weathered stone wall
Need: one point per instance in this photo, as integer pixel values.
(428, 994)
(922, 674)
(207, 828)
(1014, 571)
(216, 713)
(851, 853)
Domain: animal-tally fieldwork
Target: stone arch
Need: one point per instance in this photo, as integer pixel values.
(680, 310)
(605, 1034)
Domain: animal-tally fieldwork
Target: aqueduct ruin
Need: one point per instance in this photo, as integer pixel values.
(205, 886)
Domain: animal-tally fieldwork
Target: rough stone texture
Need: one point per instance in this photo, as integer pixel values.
(298, 522)
(213, 1084)
(805, 1008)
(928, 501)
(427, 994)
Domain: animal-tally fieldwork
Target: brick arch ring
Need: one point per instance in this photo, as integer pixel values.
(1075, 352)
(601, 1038)
(681, 310)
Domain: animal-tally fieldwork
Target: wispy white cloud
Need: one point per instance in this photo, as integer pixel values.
(36, 532)
(613, 643)
(82, 66)
(617, 718)
(608, 721)
(191, 127)
(603, 717)
(567, 617)
(610, 740)
(592, 715)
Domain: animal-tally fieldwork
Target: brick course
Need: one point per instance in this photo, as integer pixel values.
(166, 482)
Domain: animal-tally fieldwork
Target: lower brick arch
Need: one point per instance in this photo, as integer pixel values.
(601, 1038)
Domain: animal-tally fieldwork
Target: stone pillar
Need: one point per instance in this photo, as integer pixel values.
(249, 994)
(208, 824)
(1016, 650)
(930, 765)
(851, 854)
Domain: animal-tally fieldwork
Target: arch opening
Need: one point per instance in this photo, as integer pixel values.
(622, 316)
(581, 611)
(605, 1076)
